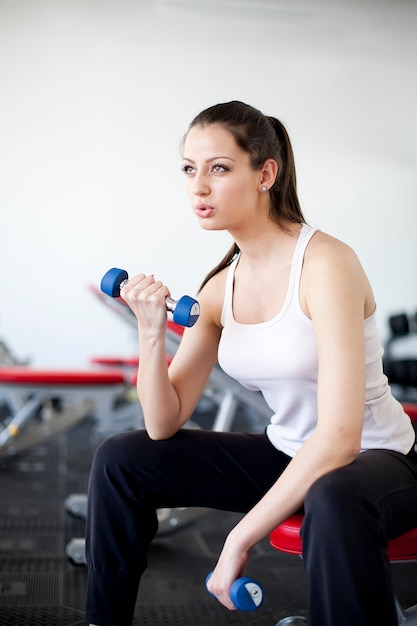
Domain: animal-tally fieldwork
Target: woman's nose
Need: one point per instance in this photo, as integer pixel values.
(200, 185)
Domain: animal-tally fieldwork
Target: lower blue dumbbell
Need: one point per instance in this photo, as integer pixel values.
(245, 593)
(185, 312)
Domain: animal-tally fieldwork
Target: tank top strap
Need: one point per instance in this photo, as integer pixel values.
(304, 237)
(228, 292)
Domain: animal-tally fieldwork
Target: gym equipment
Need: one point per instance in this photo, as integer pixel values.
(39, 404)
(402, 324)
(186, 310)
(400, 360)
(399, 325)
(245, 593)
(295, 620)
(286, 538)
(168, 521)
(402, 372)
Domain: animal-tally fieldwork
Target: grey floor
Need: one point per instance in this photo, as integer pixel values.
(39, 587)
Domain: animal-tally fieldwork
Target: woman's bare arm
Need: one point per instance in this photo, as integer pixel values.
(168, 396)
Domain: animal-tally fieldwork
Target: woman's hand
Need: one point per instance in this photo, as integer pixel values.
(230, 566)
(146, 297)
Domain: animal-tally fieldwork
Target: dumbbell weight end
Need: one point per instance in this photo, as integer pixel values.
(245, 593)
(112, 282)
(185, 311)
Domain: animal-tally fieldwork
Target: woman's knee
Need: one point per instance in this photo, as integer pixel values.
(117, 451)
(116, 446)
(335, 499)
(331, 514)
(135, 452)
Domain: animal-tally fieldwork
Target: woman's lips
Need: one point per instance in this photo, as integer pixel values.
(204, 210)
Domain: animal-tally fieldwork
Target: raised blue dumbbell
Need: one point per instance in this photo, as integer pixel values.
(186, 311)
(245, 593)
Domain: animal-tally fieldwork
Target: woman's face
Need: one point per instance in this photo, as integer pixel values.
(222, 186)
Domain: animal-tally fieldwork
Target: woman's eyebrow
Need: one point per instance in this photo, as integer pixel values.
(211, 159)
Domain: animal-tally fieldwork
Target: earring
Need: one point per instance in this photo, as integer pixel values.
(264, 188)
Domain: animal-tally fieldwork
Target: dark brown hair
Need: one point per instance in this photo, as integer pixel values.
(262, 137)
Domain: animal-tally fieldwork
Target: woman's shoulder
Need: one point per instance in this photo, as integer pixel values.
(332, 266)
(329, 261)
(324, 249)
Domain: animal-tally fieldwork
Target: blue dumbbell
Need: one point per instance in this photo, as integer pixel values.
(186, 311)
(245, 593)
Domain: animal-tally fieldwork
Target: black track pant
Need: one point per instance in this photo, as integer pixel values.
(349, 515)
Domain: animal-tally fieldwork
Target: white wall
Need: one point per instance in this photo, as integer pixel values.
(94, 99)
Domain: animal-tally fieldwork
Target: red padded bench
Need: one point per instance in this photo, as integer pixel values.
(46, 378)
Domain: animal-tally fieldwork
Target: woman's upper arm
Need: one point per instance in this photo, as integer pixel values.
(197, 353)
(337, 296)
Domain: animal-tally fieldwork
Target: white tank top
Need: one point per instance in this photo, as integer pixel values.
(279, 358)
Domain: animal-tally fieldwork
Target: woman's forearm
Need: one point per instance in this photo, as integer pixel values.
(316, 458)
(158, 398)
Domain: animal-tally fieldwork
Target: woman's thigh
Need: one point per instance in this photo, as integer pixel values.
(229, 471)
(380, 480)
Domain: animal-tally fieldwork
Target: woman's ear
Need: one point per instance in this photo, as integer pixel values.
(268, 174)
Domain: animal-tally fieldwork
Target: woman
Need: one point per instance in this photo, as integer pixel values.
(289, 312)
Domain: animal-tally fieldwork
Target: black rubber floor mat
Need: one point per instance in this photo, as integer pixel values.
(41, 616)
(202, 615)
(19, 588)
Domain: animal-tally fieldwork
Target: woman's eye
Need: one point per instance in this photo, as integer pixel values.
(188, 170)
(218, 168)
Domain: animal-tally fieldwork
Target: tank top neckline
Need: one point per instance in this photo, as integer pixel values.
(305, 234)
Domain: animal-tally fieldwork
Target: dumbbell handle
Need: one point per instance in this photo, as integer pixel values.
(170, 302)
(245, 593)
(186, 310)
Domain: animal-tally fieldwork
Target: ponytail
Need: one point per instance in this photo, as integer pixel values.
(285, 204)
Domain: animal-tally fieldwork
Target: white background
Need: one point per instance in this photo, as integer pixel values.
(95, 96)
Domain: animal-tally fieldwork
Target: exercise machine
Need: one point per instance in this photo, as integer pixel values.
(400, 356)
(39, 404)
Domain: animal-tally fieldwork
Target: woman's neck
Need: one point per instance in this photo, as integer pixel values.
(266, 244)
